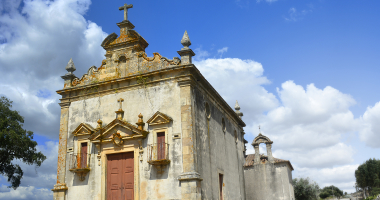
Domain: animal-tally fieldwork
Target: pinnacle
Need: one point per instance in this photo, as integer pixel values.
(185, 41)
(70, 67)
(237, 107)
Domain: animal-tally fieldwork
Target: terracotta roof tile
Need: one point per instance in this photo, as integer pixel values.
(249, 160)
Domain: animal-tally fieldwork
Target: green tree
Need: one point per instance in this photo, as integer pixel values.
(16, 143)
(330, 191)
(367, 176)
(305, 189)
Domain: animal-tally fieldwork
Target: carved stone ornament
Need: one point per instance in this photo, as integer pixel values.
(116, 139)
(83, 129)
(159, 118)
(81, 173)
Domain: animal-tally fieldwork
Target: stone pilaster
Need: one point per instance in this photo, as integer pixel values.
(60, 188)
(190, 179)
(186, 56)
(269, 153)
(257, 154)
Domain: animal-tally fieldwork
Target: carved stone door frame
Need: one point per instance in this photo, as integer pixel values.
(109, 148)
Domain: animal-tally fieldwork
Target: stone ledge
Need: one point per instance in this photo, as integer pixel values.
(60, 187)
(187, 176)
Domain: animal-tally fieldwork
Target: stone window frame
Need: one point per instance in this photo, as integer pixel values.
(160, 130)
(221, 172)
(78, 149)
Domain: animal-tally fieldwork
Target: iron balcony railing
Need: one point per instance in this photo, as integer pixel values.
(158, 152)
(80, 161)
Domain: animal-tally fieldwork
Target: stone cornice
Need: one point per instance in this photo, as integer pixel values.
(64, 104)
(189, 76)
(213, 94)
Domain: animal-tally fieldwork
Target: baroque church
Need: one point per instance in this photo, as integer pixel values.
(146, 128)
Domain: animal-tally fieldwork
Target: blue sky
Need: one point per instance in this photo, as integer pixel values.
(306, 71)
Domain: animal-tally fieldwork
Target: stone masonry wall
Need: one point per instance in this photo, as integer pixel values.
(269, 181)
(163, 97)
(218, 151)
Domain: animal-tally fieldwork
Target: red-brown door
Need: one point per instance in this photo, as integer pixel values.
(128, 176)
(83, 156)
(120, 176)
(160, 145)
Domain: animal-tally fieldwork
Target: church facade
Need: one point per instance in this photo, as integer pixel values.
(140, 127)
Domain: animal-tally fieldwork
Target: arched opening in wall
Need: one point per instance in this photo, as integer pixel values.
(263, 149)
(207, 111)
(122, 59)
(223, 126)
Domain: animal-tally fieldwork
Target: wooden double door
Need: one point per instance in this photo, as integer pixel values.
(120, 176)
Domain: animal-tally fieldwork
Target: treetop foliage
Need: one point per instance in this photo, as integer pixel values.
(305, 189)
(368, 176)
(330, 191)
(15, 144)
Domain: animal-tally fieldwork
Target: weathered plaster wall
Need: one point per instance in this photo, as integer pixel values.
(163, 97)
(268, 182)
(218, 151)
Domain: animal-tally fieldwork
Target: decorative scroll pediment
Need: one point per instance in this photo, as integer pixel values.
(159, 118)
(83, 129)
(120, 128)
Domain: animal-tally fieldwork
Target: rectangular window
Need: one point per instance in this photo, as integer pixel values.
(83, 155)
(221, 186)
(160, 145)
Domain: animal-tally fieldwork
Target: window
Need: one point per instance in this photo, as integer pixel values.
(83, 155)
(122, 59)
(221, 186)
(161, 145)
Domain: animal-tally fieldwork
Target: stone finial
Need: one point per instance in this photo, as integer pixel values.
(185, 41)
(70, 67)
(140, 122)
(100, 122)
(237, 109)
(186, 53)
(69, 76)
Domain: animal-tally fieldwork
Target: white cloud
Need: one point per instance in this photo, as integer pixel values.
(29, 193)
(370, 129)
(307, 125)
(294, 15)
(222, 51)
(245, 80)
(36, 182)
(37, 43)
(338, 154)
(201, 54)
(310, 123)
(268, 1)
(341, 176)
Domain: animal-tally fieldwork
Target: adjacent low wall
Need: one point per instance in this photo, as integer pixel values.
(269, 182)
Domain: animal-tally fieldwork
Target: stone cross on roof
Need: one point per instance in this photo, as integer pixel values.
(125, 8)
(120, 101)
